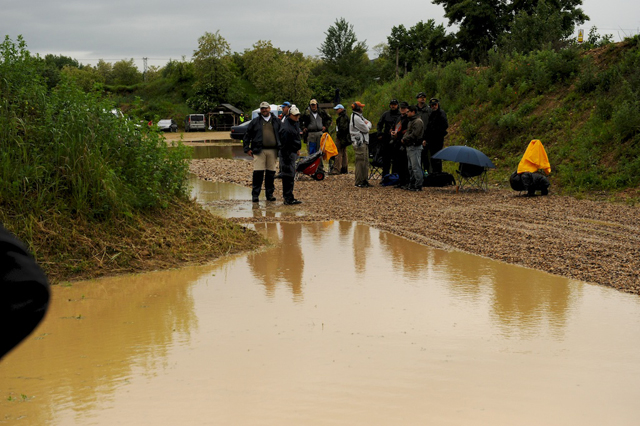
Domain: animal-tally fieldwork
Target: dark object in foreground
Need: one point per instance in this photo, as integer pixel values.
(438, 179)
(24, 292)
(530, 182)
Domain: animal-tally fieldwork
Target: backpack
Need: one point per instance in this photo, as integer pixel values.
(439, 179)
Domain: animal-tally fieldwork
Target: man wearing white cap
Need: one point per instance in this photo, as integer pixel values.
(314, 123)
(343, 140)
(291, 144)
(262, 142)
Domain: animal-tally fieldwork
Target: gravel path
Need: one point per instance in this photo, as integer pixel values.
(591, 241)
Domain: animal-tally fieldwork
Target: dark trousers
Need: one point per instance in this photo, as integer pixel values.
(386, 151)
(435, 165)
(401, 165)
(268, 176)
(287, 188)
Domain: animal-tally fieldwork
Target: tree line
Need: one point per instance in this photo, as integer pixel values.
(214, 74)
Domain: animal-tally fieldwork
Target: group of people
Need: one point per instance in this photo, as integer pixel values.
(407, 138)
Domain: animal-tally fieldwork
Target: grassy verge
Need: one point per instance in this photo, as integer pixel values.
(73, 248)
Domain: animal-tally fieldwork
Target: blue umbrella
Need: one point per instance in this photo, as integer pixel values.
(464, 154)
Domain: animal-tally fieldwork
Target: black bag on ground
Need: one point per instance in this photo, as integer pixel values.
(439, 179)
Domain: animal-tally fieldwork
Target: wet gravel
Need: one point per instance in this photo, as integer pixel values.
(592, 241)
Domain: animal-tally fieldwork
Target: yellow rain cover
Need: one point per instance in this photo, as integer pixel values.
(329, 147)
(534, 159)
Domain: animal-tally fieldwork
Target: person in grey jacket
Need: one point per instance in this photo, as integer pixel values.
(412, 140)
(359, 128)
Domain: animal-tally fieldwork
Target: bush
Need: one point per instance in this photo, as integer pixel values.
(63, 149)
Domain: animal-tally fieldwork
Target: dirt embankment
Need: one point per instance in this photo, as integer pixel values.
(597, 242)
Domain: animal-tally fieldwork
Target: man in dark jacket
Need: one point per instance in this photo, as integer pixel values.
(24, 292)
(341, 165)
(435, 133)
(386, 124)
(314, 123)
(291, 144)
(412, 141)
(424, 111)
(400, 161)
(262, 142)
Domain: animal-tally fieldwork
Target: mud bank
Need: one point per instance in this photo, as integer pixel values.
(592, 241)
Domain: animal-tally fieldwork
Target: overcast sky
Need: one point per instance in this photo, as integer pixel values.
(160, 30)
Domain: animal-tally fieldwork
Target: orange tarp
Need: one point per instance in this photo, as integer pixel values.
(534, 159)
(328, 147)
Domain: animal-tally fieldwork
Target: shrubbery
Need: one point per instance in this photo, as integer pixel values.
(63, 150)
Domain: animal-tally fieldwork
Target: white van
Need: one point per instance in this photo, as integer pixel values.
(195, 123)
(275, 109)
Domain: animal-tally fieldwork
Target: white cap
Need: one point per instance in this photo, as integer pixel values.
(294, 110)
(265, 105)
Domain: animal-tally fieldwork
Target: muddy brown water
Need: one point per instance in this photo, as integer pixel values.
(234, 152)
(335, 324)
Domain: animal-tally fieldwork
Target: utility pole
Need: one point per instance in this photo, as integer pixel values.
(144, 73)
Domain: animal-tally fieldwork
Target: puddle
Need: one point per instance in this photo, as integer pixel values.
(220, 151)
(230, 200)
(337, 324)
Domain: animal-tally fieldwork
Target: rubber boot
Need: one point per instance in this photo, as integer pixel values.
(287, 191)
(269, 187)
(258, 176)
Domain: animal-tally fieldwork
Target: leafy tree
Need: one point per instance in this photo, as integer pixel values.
(533, 29)
(425, 41)
(481, 23)
(212, 69)
(126, 73)
(345, 59)
(86, 78)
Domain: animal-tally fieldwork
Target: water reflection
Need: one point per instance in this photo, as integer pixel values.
(283, 265)
(365, 328)
(361, 247)
(95, 337)
(220, 151)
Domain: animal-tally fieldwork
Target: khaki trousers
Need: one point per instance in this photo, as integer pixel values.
(362, 163)
(266, 160)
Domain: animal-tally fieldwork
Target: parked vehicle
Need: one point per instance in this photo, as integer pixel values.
(238, 132)
(195, 123)
(168, 125)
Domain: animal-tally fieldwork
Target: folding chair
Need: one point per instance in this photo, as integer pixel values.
(375, 157)
(472, 176)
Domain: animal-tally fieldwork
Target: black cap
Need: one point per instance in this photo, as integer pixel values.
(421, 95)
(413, 108)
(404, 105)
(393, 102)
(433, 101)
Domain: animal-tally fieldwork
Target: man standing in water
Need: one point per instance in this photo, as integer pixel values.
(290, 148)
(262, 142)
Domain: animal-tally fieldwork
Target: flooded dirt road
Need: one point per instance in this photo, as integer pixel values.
(336, 324)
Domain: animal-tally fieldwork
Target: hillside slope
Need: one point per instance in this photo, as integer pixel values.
(584, 105)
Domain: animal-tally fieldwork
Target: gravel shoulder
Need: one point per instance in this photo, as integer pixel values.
(592, 241)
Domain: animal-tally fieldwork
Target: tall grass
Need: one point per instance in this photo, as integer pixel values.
(63, 151)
